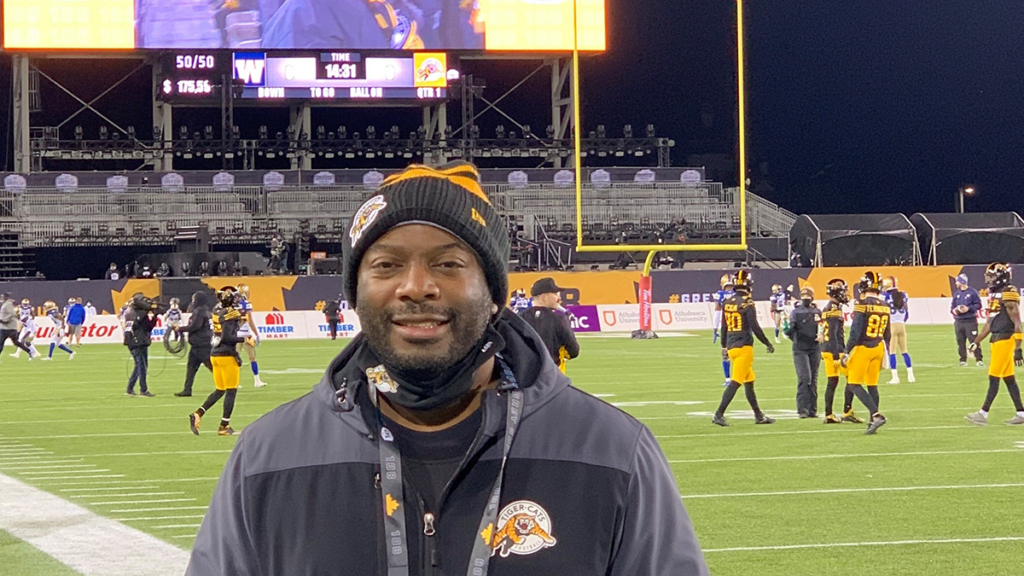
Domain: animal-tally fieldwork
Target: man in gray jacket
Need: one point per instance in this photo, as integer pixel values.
(803, 330)
(443, 439)
(9, 324)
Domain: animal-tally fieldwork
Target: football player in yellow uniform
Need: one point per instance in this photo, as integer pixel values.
(1005, 328)
(225, 359)
(865, 350)
(833, 340)
(739, 326)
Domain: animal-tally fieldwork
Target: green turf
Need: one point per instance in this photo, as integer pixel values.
(76, 411)
(23, 559)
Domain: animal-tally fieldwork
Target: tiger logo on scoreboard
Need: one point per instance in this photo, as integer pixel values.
(365, 216)
(431, 70)
(525, 529)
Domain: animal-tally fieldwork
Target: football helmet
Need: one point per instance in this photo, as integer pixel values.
(25, 303)
(243, 289)
(743, 280)
(838, 290)
(175, 302)
(227, 296)
(776, 288)
(889, 283)
(726, 281)
(870, 282)
(49, 305)
(997, 276)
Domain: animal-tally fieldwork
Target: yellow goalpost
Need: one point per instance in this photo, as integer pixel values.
(653, 248)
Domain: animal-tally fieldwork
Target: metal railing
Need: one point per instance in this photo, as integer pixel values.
(46, 216)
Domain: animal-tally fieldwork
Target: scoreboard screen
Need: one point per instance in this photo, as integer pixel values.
(269, 25)
(342, 76)
(193, 76)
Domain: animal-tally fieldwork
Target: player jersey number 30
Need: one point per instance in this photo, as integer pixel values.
(733, 319)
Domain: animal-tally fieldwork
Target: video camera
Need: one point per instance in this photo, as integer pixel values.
(145, 304)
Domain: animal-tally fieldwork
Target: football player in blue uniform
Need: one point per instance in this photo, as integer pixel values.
(778, 301)
(26, 330)
(899, 305)
(520, 302)
(248, 332)
(57, 339)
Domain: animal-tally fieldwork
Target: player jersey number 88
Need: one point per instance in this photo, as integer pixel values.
(876, 326)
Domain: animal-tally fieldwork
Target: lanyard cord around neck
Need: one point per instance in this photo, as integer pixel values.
(393, 491)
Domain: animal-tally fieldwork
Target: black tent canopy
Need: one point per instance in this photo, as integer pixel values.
(854, 240)
(971, 238)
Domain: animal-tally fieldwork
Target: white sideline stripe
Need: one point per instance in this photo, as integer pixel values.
(159, 501)
(97, 489)
(173, 526)
(153, 518)
(854, 490)
(61, 472)
(84, 541)
(147, 481)
(856, 544)
(184, 536)
(891, 412)
(160, 509)
(822, 430)
(824, 456)
(129, 495)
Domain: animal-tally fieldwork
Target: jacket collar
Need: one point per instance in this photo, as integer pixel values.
(343, 387)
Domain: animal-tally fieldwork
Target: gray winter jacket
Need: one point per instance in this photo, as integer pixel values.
(299, 494)
(8, 316)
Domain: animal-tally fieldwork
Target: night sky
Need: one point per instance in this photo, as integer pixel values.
(868, 106)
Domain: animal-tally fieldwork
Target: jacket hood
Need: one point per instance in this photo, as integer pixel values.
(344, 385)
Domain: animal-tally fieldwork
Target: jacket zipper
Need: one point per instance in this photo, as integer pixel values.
(430, 559)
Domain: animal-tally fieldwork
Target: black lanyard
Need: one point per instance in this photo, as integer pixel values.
(393, 492)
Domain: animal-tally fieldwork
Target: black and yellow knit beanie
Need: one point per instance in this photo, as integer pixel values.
(448, 197)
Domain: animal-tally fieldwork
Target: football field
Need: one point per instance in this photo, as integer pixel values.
(930, 494)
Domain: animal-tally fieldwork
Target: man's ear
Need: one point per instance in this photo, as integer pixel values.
(494, 309)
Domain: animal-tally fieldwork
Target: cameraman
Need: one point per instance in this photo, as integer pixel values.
(139, 321)
(332, 312)
(200, 340)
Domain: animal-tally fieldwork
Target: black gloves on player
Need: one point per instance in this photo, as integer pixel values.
(771, 349)
(1018, 357)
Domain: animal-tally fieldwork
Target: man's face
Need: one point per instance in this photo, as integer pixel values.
(961, 286)
(422, 299)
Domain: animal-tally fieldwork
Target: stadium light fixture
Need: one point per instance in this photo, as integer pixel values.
(963, 192)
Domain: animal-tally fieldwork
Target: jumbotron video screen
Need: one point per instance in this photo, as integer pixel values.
(446, 25)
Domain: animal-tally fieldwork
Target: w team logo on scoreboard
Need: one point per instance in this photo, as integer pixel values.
(251, 68)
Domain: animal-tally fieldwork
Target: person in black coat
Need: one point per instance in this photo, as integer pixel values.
(139, 321)
(803, 331)
(332, 312)
(551, 322)
(200, 339)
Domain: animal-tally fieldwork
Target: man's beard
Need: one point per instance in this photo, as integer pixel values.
(466, 329)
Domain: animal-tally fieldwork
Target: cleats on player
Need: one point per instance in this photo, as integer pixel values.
(225, 431)
(719, 420)
(193, 422)
(72, 357)
(762, 419)
(1017, 420)
(877, 422)
(259, 383)
(832, 419)
(977, 418)
(852, 418)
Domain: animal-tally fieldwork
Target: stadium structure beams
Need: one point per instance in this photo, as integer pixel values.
(22, 125)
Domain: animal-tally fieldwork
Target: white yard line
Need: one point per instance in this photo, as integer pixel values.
(184, 536)
(843, 456)
(856, 544)
(62, 472)
(16, 468)
(155, 518)
(99, 489)
(144, 481)
(128, 495)
(61, 461)
(133, 502)
(82, 540)
(78, 477)
(823, 430)
(175, 526)
(158, 509)
(178, 453)
(105, 435)
(854, 490)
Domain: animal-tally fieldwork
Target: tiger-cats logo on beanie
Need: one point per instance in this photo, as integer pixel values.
(365, 216)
